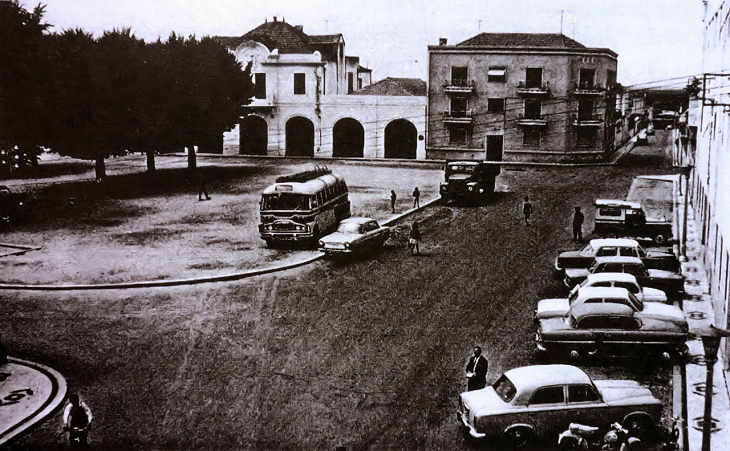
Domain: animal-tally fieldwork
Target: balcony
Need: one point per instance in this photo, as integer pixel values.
(532, 120)
(586, 120)
(459, 86)
(457, 117)
(588, 89)
(524, 89)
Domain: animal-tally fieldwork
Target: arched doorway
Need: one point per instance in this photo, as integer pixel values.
(253, 137)
(348, 138)
(299, 137)
(400, 139)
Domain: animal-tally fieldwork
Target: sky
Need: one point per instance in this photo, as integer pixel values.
(655, 39)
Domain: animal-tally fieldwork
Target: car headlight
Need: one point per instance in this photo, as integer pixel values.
(321, 244)
(481, 190)
(471, 188)
(347, 245)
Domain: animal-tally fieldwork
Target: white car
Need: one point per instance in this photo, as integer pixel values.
(354, 235)
(621, 280)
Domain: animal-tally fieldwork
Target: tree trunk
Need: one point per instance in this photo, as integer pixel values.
(100, 169)
(151, 160)
(192, 163)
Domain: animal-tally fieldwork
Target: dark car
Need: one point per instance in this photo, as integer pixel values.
(671, 283)
(614, 247)
(468, 181)
(12, 205)
(609, 320)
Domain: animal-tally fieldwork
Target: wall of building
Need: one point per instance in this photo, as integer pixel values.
(559, 71)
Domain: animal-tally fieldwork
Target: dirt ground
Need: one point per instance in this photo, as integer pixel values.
(367, 354)
(140, 227)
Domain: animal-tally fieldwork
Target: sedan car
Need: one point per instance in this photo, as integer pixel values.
(670, 282)
(609, 321)
(612, 247)
(621, 280)
(354, 235)
(542, 400)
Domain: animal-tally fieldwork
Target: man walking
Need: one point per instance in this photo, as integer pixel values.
(416, 197)
(527, 210)
(577, 225)
(392, 200)
(77, 419)
(476, 370)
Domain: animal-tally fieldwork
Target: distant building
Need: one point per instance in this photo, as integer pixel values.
(311, 100)
(520, 97)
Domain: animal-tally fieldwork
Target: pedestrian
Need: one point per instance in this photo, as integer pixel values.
(476, 370)
(416, 197)
(201, 187)
(77, 419)
(414, 238)
(577, 225)
(527, 210)
(392, 200)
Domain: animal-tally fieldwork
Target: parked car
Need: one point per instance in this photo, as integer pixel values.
(12, 205)
(624, 218)
(354, 235)
(542, 400)
(670, 282)
(609, 321)
(621, 280)
(609, 247)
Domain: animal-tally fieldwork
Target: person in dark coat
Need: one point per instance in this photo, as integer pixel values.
(393, 197)
(577, 224)
(416, 197)
(476, 370)
(414, 238)
(527, 210)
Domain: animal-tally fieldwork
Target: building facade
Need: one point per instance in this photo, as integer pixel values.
(311, 100)
(708, 121)
(520, 97)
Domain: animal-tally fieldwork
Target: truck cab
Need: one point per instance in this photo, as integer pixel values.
(468, 181)
(624, 218)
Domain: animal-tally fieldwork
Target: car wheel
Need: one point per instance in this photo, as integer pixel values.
(640, 425)
(660, 239)
(519, 437)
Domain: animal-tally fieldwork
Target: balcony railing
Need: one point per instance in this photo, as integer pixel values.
(588, 89)
(530, 89)
(532, 120)
(459, 85)
(586, 120)
(457, 117)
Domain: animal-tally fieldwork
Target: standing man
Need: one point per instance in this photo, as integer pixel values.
(476, 370)
(527, 210)
(416, 197)
(414, 238)
(392, 200)
(77, 419)
(201, 187)
(577, 225)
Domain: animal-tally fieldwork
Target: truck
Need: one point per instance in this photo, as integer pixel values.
(468, 181)
(628, 219)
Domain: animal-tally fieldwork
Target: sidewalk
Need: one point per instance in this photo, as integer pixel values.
(698, 309)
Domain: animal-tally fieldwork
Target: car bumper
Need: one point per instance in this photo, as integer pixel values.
(468, 427)
(333, 251)
(287, 236)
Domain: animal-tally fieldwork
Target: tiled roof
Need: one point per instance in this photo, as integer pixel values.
(280, 35)
(550, 40)
(325, 38)
(392, 86)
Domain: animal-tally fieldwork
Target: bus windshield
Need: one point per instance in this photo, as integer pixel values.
(285, 201)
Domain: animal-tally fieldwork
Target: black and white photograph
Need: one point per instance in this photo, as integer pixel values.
(342, 225)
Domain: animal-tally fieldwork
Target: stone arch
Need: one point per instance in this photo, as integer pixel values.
(299, 137)
(348, 138)
(401, 139)
(253, 136)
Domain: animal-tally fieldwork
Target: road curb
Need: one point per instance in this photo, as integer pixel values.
(196, 280)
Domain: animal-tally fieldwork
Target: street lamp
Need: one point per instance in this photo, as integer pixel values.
(711, 337)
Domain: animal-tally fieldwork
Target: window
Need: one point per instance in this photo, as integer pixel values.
(585, 110)
(350, 82)
(497, 73)
(632, 288)
(457, 134)
(601, 284)
(548, 395)
(586, 136)
(587, 78)
(458, 106)
(533, 108)
(359, 83)
(299, 85)
(609, 211)
(582, 393)
(628, 252)
(458, 75)
(612, 267)
(260, 86)
(610, 78)
(504, 388)
(531, 137)
(533, 77)
(606, 252)
(495, 105)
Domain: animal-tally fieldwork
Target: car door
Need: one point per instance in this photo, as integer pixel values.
(547, 410)
(585, 405)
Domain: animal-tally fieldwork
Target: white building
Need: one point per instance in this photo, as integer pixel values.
(312, 100)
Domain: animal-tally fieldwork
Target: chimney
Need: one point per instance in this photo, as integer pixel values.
(442, 41)
(274, 18)
(300, 28)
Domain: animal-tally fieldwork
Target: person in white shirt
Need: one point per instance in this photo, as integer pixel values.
(77, 419)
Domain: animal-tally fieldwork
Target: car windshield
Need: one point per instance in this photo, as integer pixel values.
(348, 227)
(638, 304)
(460, 169)
(504, 388)
(285, 201)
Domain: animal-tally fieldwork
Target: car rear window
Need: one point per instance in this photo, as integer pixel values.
(505, 388)
(632, 288)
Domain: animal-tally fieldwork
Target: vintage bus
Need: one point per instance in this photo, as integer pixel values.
(302, 207)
